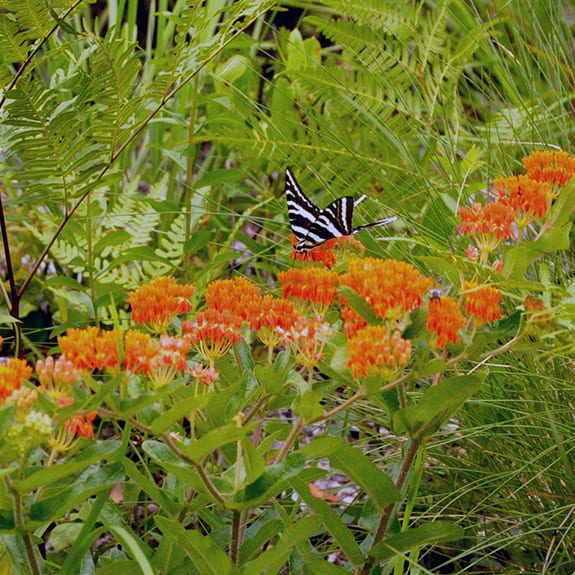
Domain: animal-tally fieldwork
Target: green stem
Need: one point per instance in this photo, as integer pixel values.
(388, 513)
(236, 528)
(189, 192)
(19, 520)
(289, 441)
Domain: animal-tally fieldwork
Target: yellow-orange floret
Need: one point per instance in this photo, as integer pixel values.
(13, 372)
(444, 320)
(373, 351)
(315, 285)
(482, 302)
(157, 303)
(553, 167)
(392, 288)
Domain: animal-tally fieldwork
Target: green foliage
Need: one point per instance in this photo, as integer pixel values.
(144, 139)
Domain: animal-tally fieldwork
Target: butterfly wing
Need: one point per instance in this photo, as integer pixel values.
(333, 222)
(301, 211)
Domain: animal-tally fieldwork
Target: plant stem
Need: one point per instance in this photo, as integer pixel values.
(19, 520)
(387, 514)
(14, 296)
(235, 543)
(189, 191)
(289, 441)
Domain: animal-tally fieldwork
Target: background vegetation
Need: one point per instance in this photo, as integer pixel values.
(157, 132)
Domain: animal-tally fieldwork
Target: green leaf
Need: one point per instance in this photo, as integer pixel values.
(270, 377)
(213, 440)
(308, 405)
(342, 535)
(181, 409)
(271, 482)
(134, 547)
(437, 405)
(357, 466)
(207, 557)
(427, 534)
(254, 462)
(113, 238)
(44, 476)
(359, 304)
(91, 483)
(323, 568)
(6, 415)
(149, 487)
(272, 560)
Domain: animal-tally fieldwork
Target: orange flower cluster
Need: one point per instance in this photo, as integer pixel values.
(482, 302)
(157, 303)
(444, 319)
(139, 351)
(553, 167)
(205, 375)
(528, 198)
(373, 351)
(307, 338)
(13, 372)
(521, 199)
(239, 298)
(391, 287)
(315, 285)
(81, 426)
(352, 321)
(88, 349)
(488, 224)
(323, 254)
(213, 332)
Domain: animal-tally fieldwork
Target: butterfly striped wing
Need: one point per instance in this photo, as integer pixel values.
(301, 211)
(335, 221)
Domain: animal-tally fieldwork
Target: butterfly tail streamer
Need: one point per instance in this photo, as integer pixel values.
(375, 224)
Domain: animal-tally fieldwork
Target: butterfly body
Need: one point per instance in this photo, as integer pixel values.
(313, 226)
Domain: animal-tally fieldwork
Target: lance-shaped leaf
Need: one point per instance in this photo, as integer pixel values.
(427, 534)
(437, 405)
(357, 466)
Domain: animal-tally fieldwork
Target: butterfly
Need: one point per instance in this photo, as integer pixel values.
(313, 226)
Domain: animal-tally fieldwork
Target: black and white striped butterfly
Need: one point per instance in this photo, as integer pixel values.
(313, 226)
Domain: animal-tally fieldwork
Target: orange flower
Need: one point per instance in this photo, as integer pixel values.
(87, 349)
(13, 372)
(170, 359)
(205, 375)
(391, 287)
(277, 313)
(139, 350)
(482, 302)
(81, 426)
(353, 322)
(157, 303)
(307, 338)
(238, 297)
(373, 351)
(213, 333)
(493, 219)
(553, 167)
(529, 198)
(444, 319)
(315, 285)
(323, 254)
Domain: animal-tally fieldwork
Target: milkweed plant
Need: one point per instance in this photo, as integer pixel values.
(201, 435)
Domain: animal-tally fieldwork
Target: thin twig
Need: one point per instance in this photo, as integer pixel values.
(289, 441)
